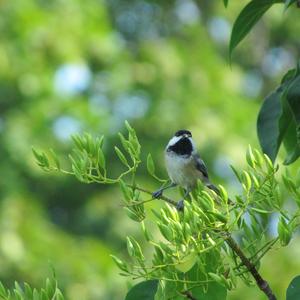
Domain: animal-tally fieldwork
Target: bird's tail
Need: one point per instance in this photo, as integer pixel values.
(217, 191)
(213, 188)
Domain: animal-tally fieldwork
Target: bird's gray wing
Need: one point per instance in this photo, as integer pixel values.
(200, 165)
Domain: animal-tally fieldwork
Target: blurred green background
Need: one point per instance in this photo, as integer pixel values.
(74, 66)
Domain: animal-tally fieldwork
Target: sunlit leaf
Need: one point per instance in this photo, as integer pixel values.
(150, 164)
(121, 156)
(122, 266)
(212, 290)
(169, 290)
(248, 17)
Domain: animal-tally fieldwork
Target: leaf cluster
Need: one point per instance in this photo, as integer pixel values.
(192, 256)
(279, 117)
(87, 160)
(196, 239)
(26, 292)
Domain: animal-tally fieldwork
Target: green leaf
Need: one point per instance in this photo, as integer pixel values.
(133, 215)
(59, 295)
(38, 156)
(248, 17)
(279, 118)
(43, 295)
(101, 158)
(146, 233)
(290, 74)
(18, 290)
(223, 194)
(121, 156)
(150, 164)
(145, 290)
(77, 141)
(291, 144)
(121, 265)
(36, 295)
(246, 180)
(130, 248)
(284, 232)
(55, 158)
(288, 3)
(250, 157)
(28, 290)
(271, 123)
(127, 192)
(213, 290)
(166, 231)
(50, 287)
(134, 249)
(169, 290)
(236, 173)
(225, 2)
(187, 262)
(219, 279)
(293, 98)
(292, 138)
(293, 290)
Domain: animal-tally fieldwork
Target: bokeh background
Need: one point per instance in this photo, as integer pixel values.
(87, 65)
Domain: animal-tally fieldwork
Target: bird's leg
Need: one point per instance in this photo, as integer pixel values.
(159, 192)
(180, 204)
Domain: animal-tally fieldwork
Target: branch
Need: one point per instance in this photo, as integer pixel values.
(166, 199)
(262, 284)
(188, 295)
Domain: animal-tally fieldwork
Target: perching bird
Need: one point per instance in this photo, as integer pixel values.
(184, 165)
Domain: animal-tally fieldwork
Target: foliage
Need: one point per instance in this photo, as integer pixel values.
(194, 256)
(293, 291)
(278, 120)
(144, 290)
(249, 16)
(26, 292)
(156, 63)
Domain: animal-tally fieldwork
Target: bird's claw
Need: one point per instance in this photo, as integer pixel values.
(157, 194)
(180, 205)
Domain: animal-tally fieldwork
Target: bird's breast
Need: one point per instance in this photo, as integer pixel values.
(181, 170)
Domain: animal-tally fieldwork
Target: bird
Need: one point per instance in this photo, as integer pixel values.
(184, 166)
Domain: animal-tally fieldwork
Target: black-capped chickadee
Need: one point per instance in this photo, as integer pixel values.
(184, 165)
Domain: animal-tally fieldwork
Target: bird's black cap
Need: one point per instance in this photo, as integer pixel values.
(182, 132)
(183, 146)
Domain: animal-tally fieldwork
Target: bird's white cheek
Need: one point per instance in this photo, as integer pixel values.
(173, 140)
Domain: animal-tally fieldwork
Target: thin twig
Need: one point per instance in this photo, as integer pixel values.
(170, 201)
(261, 283)
(188, 295)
